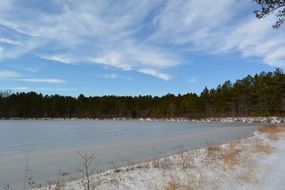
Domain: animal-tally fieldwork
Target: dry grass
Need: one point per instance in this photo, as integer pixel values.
(231, 155)
(263, 148)
(233, 161)
(272, 131)
(213, 153)
(193, 182)
(186, 160)
(163, 163)
(187, 163)
(201, 180)
(173, 184)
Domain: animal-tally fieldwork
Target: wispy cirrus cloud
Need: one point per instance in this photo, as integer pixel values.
(74, 24)
(24, 88)
(10, 41)
(138, 58)
(144, 36)
(114, 76)
(60, 58)
(9, 74)
(155, 73)
(193, 80)
(256, 38)
(42, 80)
(113, 59)
(12, 75)
(5, 5)
(184, 23)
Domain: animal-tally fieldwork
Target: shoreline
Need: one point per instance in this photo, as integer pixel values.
(271, 119)
(246, 162)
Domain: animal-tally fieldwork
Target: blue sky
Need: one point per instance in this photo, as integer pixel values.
(132, 47)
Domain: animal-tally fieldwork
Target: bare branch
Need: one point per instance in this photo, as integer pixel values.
(268, 7)
(87, 169)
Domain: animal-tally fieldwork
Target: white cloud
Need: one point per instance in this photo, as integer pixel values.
(130, 56)
(113, 59)
(60, 58)
(256, 38)
(139, 34)
(193, 80)
(93, 26)
(114, 76)
(10, 41)
(9, 74)
(276, 57)
(155, 73)
(20, 88)
(16, 48)
(5, 5)
(109, 76)
(152, 57)
(218, 27)
(12, 75)
(190, 22)
(42, 80)
(32, 69)
(24, 88)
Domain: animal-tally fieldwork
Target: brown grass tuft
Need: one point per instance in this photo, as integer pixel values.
(272, 129)
(230, 155)
(213, 152)
(163, 163)
(173, 184)
(264, 148)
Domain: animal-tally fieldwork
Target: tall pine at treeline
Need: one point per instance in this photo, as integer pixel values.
(259, 95)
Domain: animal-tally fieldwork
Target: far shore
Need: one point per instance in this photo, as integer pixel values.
(271, 119)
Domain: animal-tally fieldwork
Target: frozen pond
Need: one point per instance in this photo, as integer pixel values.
(53, 145)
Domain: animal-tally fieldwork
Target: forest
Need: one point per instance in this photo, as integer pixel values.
(259, 95)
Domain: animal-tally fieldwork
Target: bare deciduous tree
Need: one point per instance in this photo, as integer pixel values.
(87, 169)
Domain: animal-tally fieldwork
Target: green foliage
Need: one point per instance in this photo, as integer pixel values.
(259, 95)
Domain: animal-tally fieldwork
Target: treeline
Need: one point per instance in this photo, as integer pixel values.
(259, 95)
